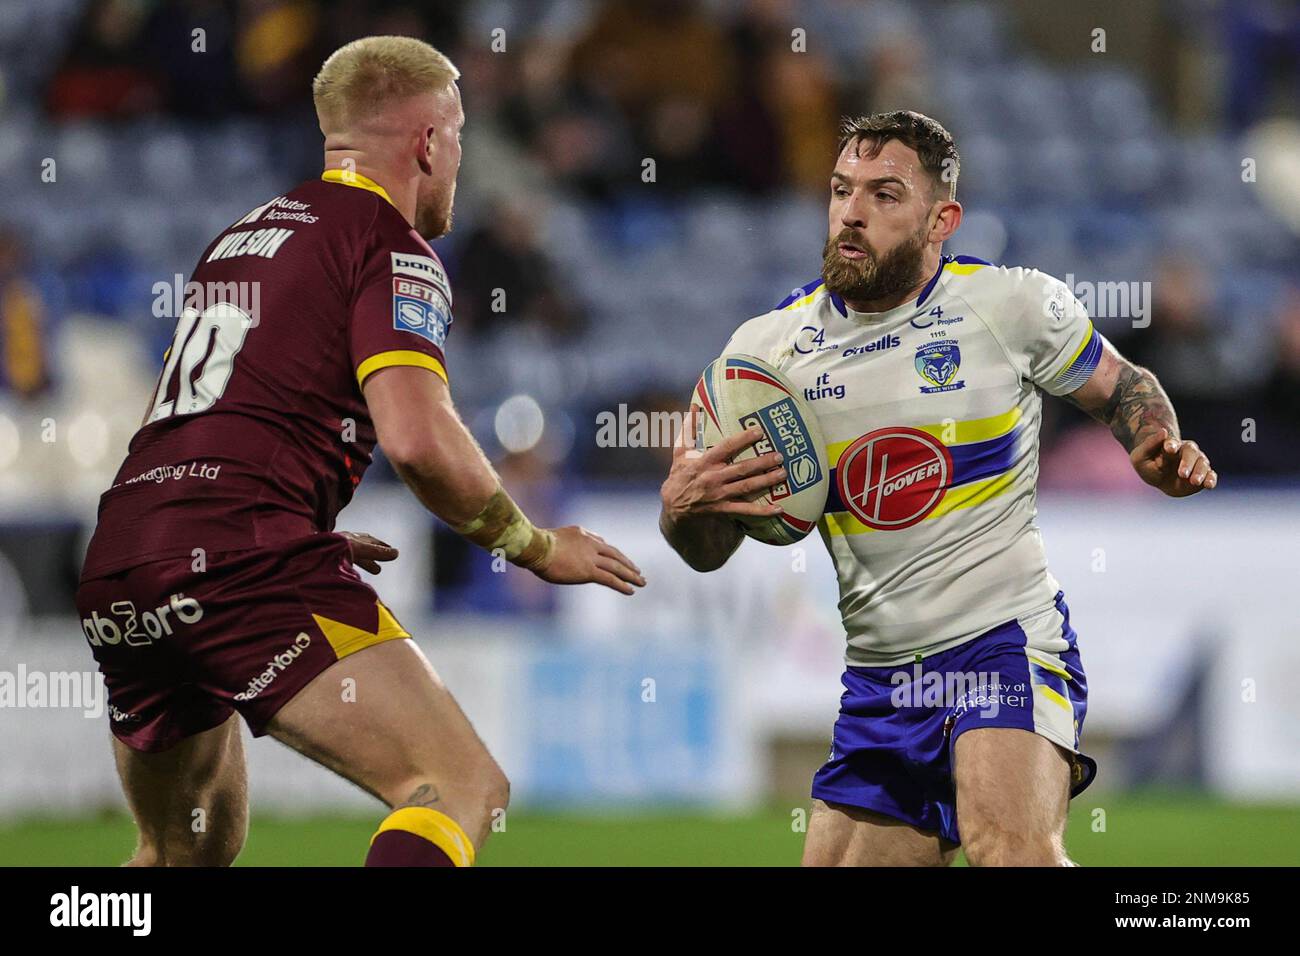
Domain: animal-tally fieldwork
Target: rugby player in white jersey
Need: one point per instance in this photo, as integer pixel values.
(964, 692)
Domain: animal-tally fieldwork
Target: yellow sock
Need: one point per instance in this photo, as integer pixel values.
(436, 827)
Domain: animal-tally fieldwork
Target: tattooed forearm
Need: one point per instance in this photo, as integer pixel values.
(704, 541)
(1136, 406)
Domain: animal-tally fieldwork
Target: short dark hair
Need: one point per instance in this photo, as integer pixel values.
(933, 144)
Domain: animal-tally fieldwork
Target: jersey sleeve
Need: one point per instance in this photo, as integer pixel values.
(754, 337)
(1049, 334)
(402, 310)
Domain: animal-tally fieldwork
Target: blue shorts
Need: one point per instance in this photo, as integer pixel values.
(892, 747)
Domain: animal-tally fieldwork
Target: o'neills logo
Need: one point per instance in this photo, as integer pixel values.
(275, 666)
(892, 478)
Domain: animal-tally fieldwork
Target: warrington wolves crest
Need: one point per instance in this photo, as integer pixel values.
(938, 364)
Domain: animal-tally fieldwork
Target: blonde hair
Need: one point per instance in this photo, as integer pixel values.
(367, 74)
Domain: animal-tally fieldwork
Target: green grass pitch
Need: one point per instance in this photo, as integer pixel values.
(1145, 830)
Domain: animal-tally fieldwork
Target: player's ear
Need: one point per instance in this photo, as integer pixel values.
(945, 217)
(424, 154)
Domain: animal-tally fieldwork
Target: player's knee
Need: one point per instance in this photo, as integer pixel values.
(203, 849)
(144, 855)
(216, 853)
(475, 799)
(815, 857)
(991, 845)
(489, 797)
(496, 790)
(819, 851)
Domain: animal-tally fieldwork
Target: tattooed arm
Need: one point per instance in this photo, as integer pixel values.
(1130, 402)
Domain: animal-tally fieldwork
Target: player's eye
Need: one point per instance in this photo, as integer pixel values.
(886, 197)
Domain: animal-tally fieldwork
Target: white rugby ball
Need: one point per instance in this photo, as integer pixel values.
(739, 391)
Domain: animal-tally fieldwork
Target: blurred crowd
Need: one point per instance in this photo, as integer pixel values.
(714, 98)
(737, 102)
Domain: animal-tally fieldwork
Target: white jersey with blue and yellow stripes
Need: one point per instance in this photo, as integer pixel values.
(931, 413)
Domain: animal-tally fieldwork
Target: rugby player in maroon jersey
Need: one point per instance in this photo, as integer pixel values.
(215, 587)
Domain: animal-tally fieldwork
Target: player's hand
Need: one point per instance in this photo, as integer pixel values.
(582, 557)
(708, 482)
(1176, 466)
(367, 550)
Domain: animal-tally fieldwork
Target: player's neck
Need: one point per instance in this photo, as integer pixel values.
(400, 194)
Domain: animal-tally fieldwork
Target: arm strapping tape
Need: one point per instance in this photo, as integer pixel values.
(501, 525)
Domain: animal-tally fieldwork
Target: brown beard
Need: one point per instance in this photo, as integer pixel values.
(872, 279)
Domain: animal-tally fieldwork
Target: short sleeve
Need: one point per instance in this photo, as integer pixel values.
(754, 337)
(402, 311)
(1049, 333)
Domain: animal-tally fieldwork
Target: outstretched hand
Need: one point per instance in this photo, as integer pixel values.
(584, 557)
(1176, 466)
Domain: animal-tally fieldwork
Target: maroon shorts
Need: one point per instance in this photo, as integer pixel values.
(182, 646)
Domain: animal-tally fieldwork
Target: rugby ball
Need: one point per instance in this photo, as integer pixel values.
(739, 391)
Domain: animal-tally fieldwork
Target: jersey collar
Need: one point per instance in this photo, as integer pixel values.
(348, 177)
(934, 280)
(944, 262)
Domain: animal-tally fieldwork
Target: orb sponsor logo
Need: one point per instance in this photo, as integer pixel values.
(124, 624)
(893, 477)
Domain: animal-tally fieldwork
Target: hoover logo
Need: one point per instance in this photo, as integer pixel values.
(784, 431)
(892, 478)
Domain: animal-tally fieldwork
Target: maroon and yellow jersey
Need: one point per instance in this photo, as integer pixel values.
(258, 432)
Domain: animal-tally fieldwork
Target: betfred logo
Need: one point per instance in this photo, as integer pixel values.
(422, 291)
(892, 478)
